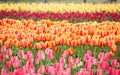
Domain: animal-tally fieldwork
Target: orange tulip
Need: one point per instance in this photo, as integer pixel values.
(37, 46)
(62, 41)
(47, 44)
(68, 41)
(42, 45)
(111, 53)
(71, 51)
(114, 48)
(56, 48)
(73, 43)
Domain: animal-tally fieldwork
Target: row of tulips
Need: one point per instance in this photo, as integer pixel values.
(72, 16)
(60, 7)
(45, 62)
(46, 33)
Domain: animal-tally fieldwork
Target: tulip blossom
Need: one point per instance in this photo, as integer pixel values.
(15, 62)
(114, 63)
(41, 69)
(40, 55)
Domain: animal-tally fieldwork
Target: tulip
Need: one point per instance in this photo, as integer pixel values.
(111, 71)
(40, 55)
(3, 72)
(1, 57)
(101, 56)
(21, 54)
(15, 61)
(76, 60)
(62, 60)
(114, 63)
(104, 65)
(30, 66)
(37, 46)
(8, 64)
(29, 55)
(73, 43)
(3, 49)
(99, 72)
(107, 56)
(9, 52)
(88, 65)
(41, 69)
(64, 53)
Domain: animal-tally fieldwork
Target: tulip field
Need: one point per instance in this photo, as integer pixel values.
(59, 39)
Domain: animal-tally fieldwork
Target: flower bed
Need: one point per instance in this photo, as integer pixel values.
(60, 7)
(59, 48)
(71, 17)
(47, 62)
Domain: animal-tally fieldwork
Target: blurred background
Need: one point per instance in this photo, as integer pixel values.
(63, 1)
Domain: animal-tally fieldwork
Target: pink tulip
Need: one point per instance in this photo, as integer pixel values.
(49, 69)
(111, 71)
(62, 60)
(99, 72)
(58, 66)
(107, 56)
(51, 55)
(88, 65)
(117, 72)
(48, 50)
(1, 57)
(3, 49)
(82, 72)
(68, 71)
(64, 53)
(101, 56)
(65, 72)
(41, 69)
(15, 61)
(29, 66)
(29, 55)
(21, 54)
(93, 60)
(104, 65)
(87, 57)
(89, 52)
(40, 55)
(8, 64)
(114, 63)
(9, 52)
(76, 60)
(70, 59)
(3, 72)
